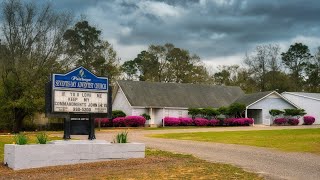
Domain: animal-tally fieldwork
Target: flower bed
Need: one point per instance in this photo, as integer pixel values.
(280, 121)
(238, 121)
(213, 122)
(104, 122)
(129, 121)
(171, 121)
(201, 122)
(308, 120)
(186, 121)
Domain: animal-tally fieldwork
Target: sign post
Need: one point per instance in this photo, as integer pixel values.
(78, 96)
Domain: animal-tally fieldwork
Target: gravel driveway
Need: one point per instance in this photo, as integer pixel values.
(272, 164)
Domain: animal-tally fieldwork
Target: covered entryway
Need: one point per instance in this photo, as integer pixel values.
(256, 114)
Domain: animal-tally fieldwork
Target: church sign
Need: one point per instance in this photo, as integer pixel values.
(79, 97)
(79, 91)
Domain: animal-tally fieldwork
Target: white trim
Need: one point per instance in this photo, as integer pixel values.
(276, 94)
(123, 94)
(291, 93)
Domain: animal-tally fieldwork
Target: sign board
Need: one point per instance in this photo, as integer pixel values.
(80, 101)
(79, 91)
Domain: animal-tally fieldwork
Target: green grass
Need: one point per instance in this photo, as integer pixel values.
(292, 140)
(9, 139)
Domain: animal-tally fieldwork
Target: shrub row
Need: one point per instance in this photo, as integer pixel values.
(307, 120)
(286, 121)
(172, 121)
(129, 121)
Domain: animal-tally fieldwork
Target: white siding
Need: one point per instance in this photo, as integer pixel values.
(139, 111)
(311, 106)
(176, 113)
(271, 102)
(158, 116)
(121, 103)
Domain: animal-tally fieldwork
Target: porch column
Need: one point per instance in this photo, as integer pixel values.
(246, 113)
(151, 116)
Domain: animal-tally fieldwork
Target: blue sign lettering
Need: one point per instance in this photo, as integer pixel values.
(80, 78)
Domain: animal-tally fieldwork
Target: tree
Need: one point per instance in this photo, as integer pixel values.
(296, 59)
(85, 48)
(166, 63)
(313, 73)
(264, 65)
(236, 109)
(32, 44)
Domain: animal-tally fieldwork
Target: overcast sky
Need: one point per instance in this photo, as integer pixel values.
(219, 31)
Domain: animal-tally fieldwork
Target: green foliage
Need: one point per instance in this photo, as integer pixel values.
(42, 138)
(146, 116)
(210, 113)
(296, 59)
(21, 139)
(237, 109)
(166, 63)
(223, 110)
(118, 113)
(122, 137)
(294, 112)
(35, 32)
(86, 48)
(275, 112)
(193, 112)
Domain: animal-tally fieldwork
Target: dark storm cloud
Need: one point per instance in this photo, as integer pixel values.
(209, 28)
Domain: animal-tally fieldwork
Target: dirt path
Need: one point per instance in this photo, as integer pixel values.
(272, 164)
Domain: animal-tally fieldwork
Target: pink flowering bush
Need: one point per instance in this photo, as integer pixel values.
(308, 120)
(134, 121)
(280, 121)
(129, 121)
(213, 122)
(228, 121)
(171, 121)
(186, 121)
(238, 121)
(242, 121)
(104, 122)
(293, 121)
(201, 122)
(119, 122)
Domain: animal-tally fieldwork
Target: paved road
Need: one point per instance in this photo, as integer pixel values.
(272, 164)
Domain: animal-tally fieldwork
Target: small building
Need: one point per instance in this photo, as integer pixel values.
(170, 99)
(259, 104)
(310, 102)
(160, 100)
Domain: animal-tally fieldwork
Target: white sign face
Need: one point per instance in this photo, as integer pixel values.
(80, 102)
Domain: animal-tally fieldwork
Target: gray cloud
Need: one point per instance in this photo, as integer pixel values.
(209, 28)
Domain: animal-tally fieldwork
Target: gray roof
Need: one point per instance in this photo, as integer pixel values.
(311, 95)
(248, 99)
(155, 94)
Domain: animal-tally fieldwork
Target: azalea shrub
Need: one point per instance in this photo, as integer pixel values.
(238, 121)
(104, 122)
(129, 121)
(280, 121)
(308, 120)
(171, 121)
(201, 122)
(134, 121)
(213, 122)
(119, 122)
(186, 121)
(293, 121)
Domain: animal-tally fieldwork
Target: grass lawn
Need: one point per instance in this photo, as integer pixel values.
(294, 140)
(156, 165)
